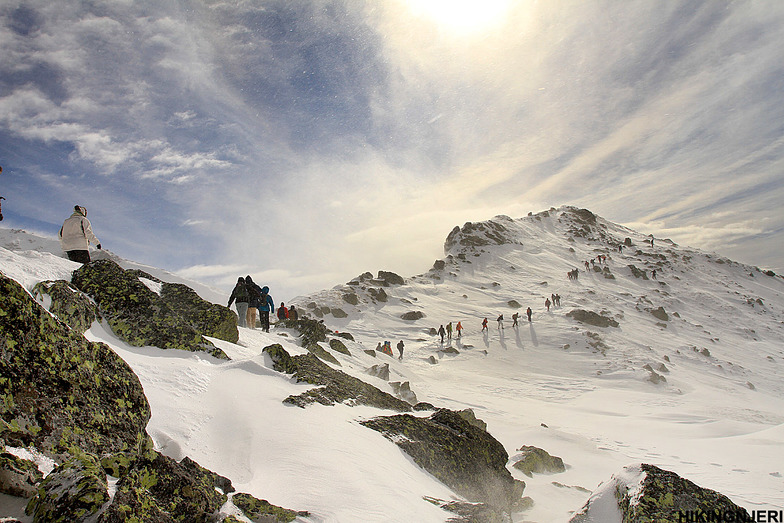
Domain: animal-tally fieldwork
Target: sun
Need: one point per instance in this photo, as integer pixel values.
(462, 16)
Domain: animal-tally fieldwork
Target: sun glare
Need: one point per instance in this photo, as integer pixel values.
(463, 16)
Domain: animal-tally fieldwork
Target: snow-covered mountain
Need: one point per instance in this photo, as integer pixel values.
(686, 374)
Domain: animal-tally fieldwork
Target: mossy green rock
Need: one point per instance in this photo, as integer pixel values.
(18, 477)
(262, 511)
(536, 460)
(158, 488)
(665, 493)
(339, 346)
(73, 491)
(334, 386)
(60, 392)
(69, 304)
(461, 455)
(208, 318)
(135, 313)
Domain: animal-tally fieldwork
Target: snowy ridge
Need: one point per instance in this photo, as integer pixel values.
(581, 392)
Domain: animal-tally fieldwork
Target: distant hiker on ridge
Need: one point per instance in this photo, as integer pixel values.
(529, 312)
(293, 313)
(484, 325)
(547, 304)
(500, 321)
(76, 234)
(240, 296)
(449, 330)
(283, 312)
(266, 305)
(442, 333)
(400, 349)
(514, 319)
(459, 329)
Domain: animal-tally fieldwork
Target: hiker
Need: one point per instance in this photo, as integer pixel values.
(449, 330)
(400, 349)
(76, 234)
(484, 325)
(387, 349)
(293, 313)
(254, 297)
(514, 319)
(1, 208)
(547, 304)
(240, 296)
(500, 321)
(379, 348)
(620, 248)
(442, 333)
(266, 305)
(283, 312)
(529, 312)
(587, 266)
(459, 329)
(558, 300)
(653, 274)
(552, 299)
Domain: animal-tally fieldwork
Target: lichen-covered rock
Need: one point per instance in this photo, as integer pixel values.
(474, 235)
(159, 487)
(535, 460)
(413, 315)
(334, 386)
(210, 319)
(462, 456)
(638, 273)
(470, 417)
(73, 491)
(322, 354)
(135, 313)
(70, 305)
(351, 298)
(59, 392)
(262, 511)
(379, 371)
(514, 304)
(592, 318)
(404, 392)
(338, 313)
(378, 294)
(18, 477)
(339, 346)
(660, 314)
(647, 494)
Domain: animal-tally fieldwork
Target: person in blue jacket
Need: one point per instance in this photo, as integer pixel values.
(266, 305)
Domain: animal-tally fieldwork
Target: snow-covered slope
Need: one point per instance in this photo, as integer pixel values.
(580, 392)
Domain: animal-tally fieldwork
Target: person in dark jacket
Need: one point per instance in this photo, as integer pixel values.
(400, 348)
(266, 305)
(529, 312)
(283, 312)
(293, 313)
(240, 296)
(442, 333)
(254, 297)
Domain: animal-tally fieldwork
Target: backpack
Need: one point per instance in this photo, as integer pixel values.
(254, 294)
(263, 300)
(241, 293)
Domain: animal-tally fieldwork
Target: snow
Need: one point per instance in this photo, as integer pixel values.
(546, 383)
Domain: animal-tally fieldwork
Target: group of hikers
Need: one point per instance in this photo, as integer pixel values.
(249, 298)
(386, 348)
(448, 331)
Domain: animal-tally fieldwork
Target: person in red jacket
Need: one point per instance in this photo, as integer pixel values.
(283, 312)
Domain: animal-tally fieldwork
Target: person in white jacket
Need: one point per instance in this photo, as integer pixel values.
(76, 234)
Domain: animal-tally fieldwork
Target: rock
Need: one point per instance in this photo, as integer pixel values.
(72, 492)
(333, 386)
(351, 298)
(404, 392)
(464, 457)
(379, 371)
(660, 314)
(637, 273)
(69, 304)
(345, 335)
(467, 512)
(627, 242)
(390, 278)
(470, 417)
(338, 313)
(370, 352)
(135, 313)
(537, 460)
(378, 294)
(592, 318)
(207, 318)
(514, 304)
(423, 405)
(439, 265)
(59, 391)
(339, 346)
(413, 315)
(18, 477)
(432, 360)
(262, 511)
(648, 493)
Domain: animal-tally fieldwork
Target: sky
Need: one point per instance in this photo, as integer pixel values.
(307, 142)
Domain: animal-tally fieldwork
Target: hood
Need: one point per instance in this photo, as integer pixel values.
(265, 289)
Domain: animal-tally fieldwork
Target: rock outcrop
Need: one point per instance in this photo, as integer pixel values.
(591, 318)
(535, 460)
(461, 455)
(138, 315)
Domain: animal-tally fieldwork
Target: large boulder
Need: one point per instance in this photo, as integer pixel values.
(645, 493)
(263, 511)
(462, 456)
(210, 319)
(18, 477)
(60, 392)
(333, 386)
(69, 304)
(390, 278)
(137, 314)
(73, 491)
(535, 460)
